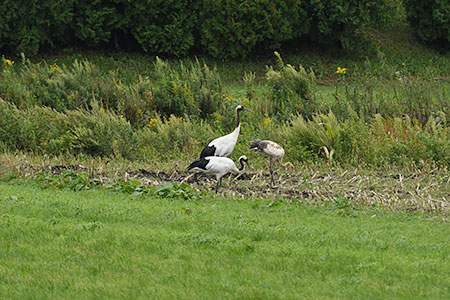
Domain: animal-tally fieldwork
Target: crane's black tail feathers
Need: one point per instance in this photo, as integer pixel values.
(199, 163)
(208, 151)
(257, 145)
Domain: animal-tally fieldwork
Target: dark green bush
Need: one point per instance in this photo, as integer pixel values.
(342, 20)
(430, 19)
(94, 21)
(232, 28)
(221, 28)
(162, 26)
(29, 27)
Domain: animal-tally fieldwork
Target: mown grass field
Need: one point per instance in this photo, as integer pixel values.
(97, 244)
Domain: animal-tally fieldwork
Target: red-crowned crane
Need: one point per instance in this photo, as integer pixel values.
(273, 151)
(223, 146)
(218, 166)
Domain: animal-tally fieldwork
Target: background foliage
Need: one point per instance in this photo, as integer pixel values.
(83, 109)
(430, 19)
(219, 28)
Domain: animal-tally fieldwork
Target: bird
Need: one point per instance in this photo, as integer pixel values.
(224, 145)
(218, 166)
(273, 151)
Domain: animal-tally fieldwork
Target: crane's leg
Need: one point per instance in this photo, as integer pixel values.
(286, 164)
(219, 182)
(196, 178)
(271, 171)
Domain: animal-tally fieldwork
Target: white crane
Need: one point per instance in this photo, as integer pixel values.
(224, 145)
(273, 151)
(218, 166)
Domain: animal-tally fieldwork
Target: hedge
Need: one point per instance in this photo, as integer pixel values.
(219, 28)
(430, 19)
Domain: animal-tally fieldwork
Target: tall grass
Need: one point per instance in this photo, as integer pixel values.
(79, 108)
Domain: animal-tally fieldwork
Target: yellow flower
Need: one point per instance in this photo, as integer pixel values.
(152, 122)
(101, 109)
(217, 116)
(8, 61)
(266, 121)
(230, 98)
(276, 54)
(180, 119)
(71, 96)
(139, 111)
(341, 70)
(54, 68)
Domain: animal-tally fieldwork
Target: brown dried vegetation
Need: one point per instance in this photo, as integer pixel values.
(423, 190)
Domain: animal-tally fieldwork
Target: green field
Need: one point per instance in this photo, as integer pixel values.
(98, 244)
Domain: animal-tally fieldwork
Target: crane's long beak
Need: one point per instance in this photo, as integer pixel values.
(248, 109)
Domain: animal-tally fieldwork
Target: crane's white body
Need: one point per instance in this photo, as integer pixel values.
(225, 144)
(218, 166)
(272, 150)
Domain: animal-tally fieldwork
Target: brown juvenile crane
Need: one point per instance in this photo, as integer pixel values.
(273, 151)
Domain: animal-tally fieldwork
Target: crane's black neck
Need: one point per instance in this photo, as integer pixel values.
(242, 165)
(238, 118)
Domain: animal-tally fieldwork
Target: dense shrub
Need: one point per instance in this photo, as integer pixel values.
(232, 28)
(95, 21)
(29, 27)
(221, 28)
(341, 21)
(430, 19)
(158, 26)
(163, 27)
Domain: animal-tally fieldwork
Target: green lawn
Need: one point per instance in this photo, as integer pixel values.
(59, 244)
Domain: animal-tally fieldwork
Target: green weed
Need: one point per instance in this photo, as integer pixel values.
(77, 182)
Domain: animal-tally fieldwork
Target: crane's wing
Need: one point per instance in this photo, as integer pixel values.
(199, 164)
(224, 145)
(273, 149)
(208, 151)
